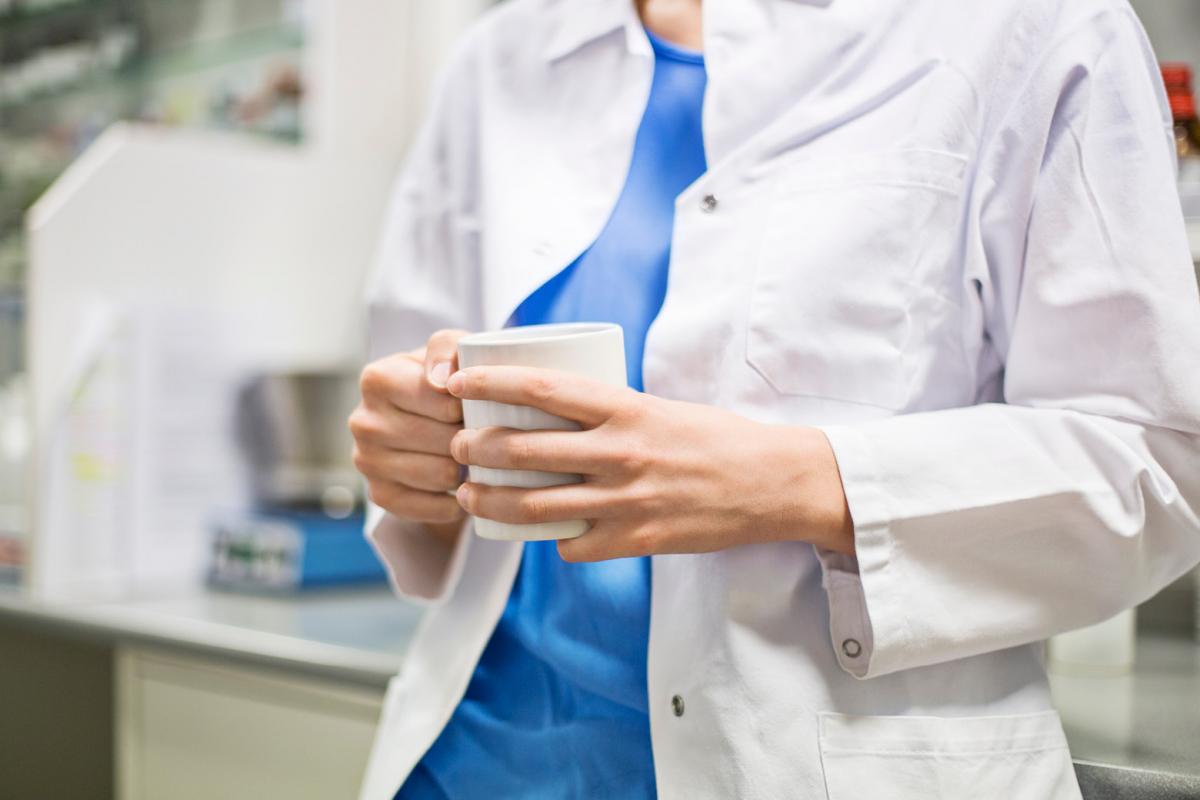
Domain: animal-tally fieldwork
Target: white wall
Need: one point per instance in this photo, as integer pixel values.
(1174, 28)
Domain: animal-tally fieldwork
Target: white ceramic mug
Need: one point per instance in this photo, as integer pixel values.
(592, 349)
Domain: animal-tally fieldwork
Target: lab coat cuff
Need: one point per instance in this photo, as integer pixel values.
(867, 595)
(421, 567)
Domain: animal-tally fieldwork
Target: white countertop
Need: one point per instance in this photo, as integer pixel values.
(358, 635)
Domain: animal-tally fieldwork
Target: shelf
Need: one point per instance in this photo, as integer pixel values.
(192, 59)
(234, 49)
(20, 15)
(15, 17)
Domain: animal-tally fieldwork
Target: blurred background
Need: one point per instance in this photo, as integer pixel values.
(190, 195)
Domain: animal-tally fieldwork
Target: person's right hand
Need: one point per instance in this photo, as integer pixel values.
(402, 430)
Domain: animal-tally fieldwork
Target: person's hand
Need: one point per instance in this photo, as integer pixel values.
(402, 431)
(660, 476)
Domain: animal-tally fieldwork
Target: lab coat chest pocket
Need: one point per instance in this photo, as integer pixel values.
(844, 253)
(941, 758)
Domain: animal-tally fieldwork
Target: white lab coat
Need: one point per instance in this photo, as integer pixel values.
(945, 232)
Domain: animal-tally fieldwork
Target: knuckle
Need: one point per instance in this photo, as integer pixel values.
(362, 424)
(531, 508)
(630, 457)
(518, 451)
(541, 387)
(633, 459)
(373, 379)
(642, 538)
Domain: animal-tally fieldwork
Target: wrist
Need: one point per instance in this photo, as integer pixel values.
(812, 506)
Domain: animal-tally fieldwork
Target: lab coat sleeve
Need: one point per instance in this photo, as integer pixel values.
(996, 525)
(425, 279)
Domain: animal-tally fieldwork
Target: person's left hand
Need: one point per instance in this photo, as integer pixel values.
(660, 476)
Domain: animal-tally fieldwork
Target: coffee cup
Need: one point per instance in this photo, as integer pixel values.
(592, 349)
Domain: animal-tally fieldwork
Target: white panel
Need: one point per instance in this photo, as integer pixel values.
(190, 729)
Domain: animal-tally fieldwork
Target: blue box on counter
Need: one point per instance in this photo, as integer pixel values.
(281, 550)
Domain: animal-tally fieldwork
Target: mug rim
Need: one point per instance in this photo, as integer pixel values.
(544, 333)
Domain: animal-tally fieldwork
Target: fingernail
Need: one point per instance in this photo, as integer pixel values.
(463, 495)
(454, 384)
(438, 374)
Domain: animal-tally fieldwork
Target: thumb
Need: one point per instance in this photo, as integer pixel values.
(441, 358)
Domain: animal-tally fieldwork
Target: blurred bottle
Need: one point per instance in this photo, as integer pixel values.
(1178, 79)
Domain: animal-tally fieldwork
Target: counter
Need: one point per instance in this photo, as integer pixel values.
(1135, 737)
(358, 636)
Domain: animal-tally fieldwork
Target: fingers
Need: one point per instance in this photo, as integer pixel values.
(441, 358)
(403, 429)
(605, 540)
(548, 451)
(413, 504)
(525, 506)
(416, 470)
(588, 402)
(399, 381)
(393, 429)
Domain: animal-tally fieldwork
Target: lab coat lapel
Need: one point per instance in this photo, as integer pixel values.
(533, 227)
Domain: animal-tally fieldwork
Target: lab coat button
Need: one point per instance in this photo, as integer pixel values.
(708, 203)
(677, 705)
(852, 648)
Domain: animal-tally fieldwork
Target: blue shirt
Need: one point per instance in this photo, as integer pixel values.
(557, 706)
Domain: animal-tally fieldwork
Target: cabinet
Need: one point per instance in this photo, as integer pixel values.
(189, 728)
